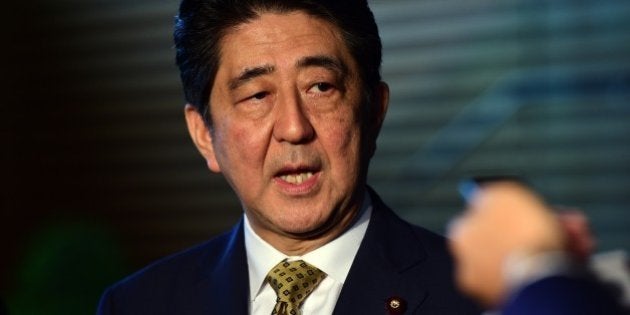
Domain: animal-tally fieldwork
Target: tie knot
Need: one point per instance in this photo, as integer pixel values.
(293, 281)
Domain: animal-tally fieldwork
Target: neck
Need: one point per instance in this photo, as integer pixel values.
(293, 244)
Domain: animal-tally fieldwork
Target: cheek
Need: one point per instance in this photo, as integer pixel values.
(239, 144)
(342, 134)
(344, 154)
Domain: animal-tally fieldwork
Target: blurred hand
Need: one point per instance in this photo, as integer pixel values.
(503, 219)
(580, 242)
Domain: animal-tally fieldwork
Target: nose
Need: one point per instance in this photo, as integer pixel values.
(292, 125)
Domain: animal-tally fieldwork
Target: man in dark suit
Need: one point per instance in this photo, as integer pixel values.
(529, 262)
(285, 99)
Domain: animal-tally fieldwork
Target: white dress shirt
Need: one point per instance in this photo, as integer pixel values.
(334, 258)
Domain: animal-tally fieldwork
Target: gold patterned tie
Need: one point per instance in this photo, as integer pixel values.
(293, 282)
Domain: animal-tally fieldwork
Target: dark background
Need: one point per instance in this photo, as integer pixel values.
(99, 177)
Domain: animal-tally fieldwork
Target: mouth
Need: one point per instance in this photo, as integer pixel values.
(296, 178)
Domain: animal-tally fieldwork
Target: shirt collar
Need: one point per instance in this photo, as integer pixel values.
(334, 258)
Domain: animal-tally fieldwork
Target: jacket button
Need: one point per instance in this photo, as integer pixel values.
(396, 305)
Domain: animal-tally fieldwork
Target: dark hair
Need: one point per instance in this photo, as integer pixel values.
(201, 24)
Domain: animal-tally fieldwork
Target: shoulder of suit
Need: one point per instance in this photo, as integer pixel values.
(429, 239)
(178, 266)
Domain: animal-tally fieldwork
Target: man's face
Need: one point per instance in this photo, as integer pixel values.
(286, 124)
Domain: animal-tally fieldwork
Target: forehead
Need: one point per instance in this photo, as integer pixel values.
(280, 38)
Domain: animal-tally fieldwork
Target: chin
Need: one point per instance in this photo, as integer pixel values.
(304, 227)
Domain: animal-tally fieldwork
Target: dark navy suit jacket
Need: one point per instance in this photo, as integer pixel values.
(564, 295)
(395, 259)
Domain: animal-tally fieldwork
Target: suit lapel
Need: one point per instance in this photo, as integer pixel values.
(378, 271)
(225, 284)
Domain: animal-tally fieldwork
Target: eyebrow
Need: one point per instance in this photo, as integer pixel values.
(248, 74)
(324, 61)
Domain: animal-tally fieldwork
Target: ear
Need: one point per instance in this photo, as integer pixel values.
(381, 102)
(201, 136)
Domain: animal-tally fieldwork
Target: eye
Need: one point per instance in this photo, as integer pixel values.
(259, 95)
(323, 86)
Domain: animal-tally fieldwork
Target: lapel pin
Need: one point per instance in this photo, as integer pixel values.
(396, 305)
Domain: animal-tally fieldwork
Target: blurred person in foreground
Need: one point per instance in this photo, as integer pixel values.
(515, 256)
(285, 99)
